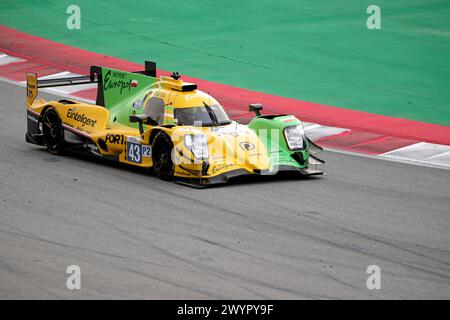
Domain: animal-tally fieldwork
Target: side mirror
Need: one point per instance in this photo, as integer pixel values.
(256, 108)
(141, 119)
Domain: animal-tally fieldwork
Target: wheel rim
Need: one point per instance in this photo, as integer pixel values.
(163, 162)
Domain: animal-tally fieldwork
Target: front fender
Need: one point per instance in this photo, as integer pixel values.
(270, 129)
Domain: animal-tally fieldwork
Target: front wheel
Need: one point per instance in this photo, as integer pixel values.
(162, 157)
(53, 131)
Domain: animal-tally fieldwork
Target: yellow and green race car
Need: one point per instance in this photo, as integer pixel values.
(166, 124)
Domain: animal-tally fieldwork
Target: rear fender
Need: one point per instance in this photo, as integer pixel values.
(35, 113)
(85, 118)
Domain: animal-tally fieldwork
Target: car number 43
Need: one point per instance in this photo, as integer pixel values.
(136, 151)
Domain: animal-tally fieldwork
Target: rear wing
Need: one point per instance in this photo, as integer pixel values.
(97, 75)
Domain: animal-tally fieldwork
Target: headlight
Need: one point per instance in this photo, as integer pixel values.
(198, 144)
(294, 136)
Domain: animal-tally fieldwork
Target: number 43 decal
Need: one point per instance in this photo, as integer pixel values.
(136, 151)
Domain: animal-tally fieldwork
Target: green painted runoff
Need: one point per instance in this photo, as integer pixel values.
(312, 50)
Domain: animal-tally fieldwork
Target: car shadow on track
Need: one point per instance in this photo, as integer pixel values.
(278, 178)
(281, 177)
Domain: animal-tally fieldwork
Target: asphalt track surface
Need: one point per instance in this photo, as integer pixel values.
(135, 236)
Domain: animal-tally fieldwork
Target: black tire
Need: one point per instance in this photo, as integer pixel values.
(53, 131)
(162, 157)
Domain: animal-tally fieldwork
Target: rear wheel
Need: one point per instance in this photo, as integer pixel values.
(162, 157)
(53, 131)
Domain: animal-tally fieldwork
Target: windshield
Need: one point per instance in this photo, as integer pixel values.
(201, 116)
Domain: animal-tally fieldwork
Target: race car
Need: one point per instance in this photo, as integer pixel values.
(168, 125)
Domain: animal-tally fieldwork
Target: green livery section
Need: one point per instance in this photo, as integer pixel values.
(270, 130)
(122, 93)
(313, 50)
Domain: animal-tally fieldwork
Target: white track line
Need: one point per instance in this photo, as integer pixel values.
(424, 152)
(392, 159)
(55, 75)
(5, 59)
(316, 131)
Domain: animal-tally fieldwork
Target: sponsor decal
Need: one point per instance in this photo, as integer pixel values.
(246, 146)
(231, 130)
(221, 167)
(133, 139)
(138, 104)
(32, 118)
(85, 121)
(90, 145)
(183, 172)
(114, 138)
(115, 80)
(190, 172)
(190, 96)
(31, 87)
(255, 154)
(284, 161)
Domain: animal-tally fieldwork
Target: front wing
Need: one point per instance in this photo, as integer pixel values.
(227, 176)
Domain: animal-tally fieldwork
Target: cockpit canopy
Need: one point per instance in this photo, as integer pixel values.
(202, 116)
(195, 108)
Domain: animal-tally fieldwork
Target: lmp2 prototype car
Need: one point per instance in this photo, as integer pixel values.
(166, 124)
